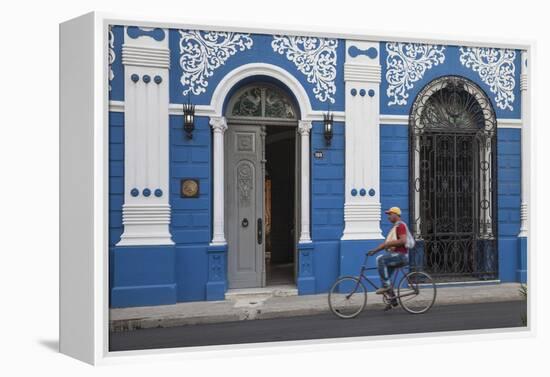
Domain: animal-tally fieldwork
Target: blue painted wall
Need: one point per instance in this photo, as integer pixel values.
(191, 217)
(327, 203)
(394, 171)
(509, 201)
(116, 175)
(116, 185)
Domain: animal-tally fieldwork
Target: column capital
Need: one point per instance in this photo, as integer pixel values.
(304, 127)
(142, 50)
(524, 71)
(218, 124)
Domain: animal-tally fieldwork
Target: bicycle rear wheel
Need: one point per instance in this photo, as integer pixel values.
(416, 292)
(347, 297)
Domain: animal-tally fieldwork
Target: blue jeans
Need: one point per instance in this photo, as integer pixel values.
(387, 263)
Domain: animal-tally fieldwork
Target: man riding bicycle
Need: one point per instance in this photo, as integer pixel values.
(396, 255)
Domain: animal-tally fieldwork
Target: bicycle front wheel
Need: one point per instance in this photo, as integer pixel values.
(347, 297)
(416, 292)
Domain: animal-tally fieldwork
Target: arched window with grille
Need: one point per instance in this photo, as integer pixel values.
(453, 182)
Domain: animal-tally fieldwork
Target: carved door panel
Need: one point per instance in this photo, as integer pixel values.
(244, 188)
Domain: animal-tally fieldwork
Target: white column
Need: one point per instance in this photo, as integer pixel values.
(362, 75)
(219, 125)
(304, 128)
(525, 153)
(146, 209)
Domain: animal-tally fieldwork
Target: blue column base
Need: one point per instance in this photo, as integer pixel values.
(217, 273)
(142, 276)
(306, 277)
(215, 290)
(149, 295)
(521, 273)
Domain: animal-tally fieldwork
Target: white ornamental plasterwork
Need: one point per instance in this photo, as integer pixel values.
(315, 58)
(202, 52)
(406, 64)
(112, 55)
(496, 68)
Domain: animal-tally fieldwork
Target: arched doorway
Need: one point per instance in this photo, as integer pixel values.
(261, 202)
(453, 189)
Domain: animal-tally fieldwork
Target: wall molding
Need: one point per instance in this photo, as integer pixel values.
(315, 115)
(403, 120)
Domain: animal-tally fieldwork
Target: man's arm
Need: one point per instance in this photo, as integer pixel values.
(399, 242)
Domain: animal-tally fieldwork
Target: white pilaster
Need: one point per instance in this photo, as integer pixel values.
(304, 128)
(362, 75)
(219, 125)
(525, 153)
(146, 209)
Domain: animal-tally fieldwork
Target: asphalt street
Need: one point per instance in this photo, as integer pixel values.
(369, 322)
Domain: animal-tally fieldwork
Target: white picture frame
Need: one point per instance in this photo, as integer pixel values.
(84, 106)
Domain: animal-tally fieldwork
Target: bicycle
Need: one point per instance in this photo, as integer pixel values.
(416, 292)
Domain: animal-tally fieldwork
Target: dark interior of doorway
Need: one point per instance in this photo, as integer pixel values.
(279, 205)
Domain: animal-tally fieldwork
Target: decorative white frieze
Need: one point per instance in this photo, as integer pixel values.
(202, 52)
(112, 55)
(362, 140)
(146, 209)
(496, 68)
(406, 64)
(315, 58)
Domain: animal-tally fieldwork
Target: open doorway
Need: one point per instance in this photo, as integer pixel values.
(280, 204)
(261, 209)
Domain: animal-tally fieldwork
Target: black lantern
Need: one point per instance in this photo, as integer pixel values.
(328, 120)
(188, 118)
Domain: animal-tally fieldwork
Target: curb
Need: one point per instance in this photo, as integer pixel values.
(234, 314)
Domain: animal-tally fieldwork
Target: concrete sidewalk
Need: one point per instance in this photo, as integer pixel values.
(277, 303)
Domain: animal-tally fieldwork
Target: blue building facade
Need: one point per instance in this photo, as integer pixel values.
(169, 199)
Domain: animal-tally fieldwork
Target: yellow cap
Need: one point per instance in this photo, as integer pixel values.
(395, 210)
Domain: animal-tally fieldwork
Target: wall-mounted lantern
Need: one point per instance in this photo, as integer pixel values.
(328, 120)
(188, 118)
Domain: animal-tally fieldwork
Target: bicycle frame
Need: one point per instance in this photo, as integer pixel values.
(362, 276)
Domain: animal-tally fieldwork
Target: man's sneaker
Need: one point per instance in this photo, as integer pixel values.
(391, 305)
(387, 307)
(382, 290)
